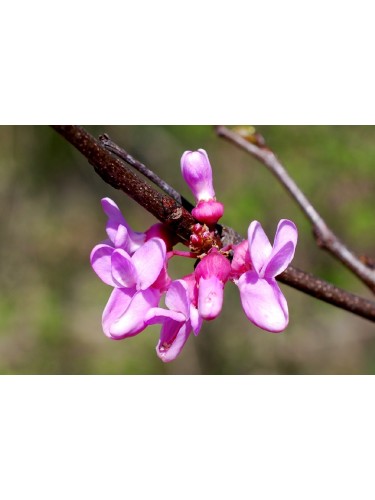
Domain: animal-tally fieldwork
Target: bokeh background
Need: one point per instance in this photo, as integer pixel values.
(51, 301)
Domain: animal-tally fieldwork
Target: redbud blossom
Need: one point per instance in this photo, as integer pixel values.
(211, 275)
(262, 300)
(197, 173)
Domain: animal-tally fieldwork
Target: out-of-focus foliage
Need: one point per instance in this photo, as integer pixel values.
(51, 301)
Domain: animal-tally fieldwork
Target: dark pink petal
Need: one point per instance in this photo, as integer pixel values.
(263, 302)
(210, 297)
(116, 306)
(101, 262)
(177, 299)
(283, 249)
(241, 259)
(123, 270)
(171, 341)
(197, 173)
(149, 261)
(213, 264)
(208, 212)
(259, 246)
(161, 231)
(132, 321)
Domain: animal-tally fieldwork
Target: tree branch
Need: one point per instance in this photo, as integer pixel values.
(124, 155)
(323, 234)
(113, 171)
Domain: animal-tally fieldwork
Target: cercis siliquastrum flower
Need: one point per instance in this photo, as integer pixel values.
(135, 265)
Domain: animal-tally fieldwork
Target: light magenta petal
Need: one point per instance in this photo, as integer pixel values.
(136, 240)
(101, 262)
(195, 320)
(116, 219)
(177, 299)
(263, 302)
(259, 246)
(132, 321)
(210, 297)
(149, 261)
(116, 306)
(197, 173)
(157, 315)
(283, 249)
(171, 342)
(123, 270)
(122, 237)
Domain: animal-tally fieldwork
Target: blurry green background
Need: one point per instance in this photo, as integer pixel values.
(51, 301)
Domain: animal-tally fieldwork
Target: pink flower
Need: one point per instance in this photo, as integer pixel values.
(197, 173)
(178, 321)
(139, 282)
(262, 300)
(117, 268)
(211, 274)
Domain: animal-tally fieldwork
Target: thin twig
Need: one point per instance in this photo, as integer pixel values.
(324, 235)
(113, 171)
(124, 155)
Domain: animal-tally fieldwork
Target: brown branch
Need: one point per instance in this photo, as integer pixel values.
(140, 167)
(113, 171)
(323, 234)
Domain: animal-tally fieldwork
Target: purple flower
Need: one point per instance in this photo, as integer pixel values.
(211, 274)
(118, 230)
(179, 320)
(262, 300)
(197, 173)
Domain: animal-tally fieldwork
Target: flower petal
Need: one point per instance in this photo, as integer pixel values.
(210, 297)
(122, 237)
(259, 246)
(116, 306)
(149, 261)
(101, 262)
(132, 321)
(195, 320)
(116, 219)
(263, 302)
(123, 270)
(171, 342)
(177, 299)
(159, 315)
(197, 173)
(283, 249)
(241, 259)
(208, 212)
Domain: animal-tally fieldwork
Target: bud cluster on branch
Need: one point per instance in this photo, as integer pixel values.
(136, 264)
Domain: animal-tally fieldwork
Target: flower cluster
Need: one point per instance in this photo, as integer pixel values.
(135, 265)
